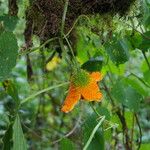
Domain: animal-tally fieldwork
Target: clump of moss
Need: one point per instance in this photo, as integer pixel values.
(44, 16)
(107, 6)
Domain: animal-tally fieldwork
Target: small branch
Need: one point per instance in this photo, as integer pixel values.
(140, 132)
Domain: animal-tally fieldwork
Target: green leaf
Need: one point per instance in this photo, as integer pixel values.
(118, 91)
(19, 142)
(127, 96)
(129, 118)
(97, 142)
(104, 112)
(8, 53)
(67, 144)
(87, 44)
(7, 139)
(138, 85)
(147, 22)
(118, 51)
(94, 64)
(9, 22)
(4, 117)
(133, 99)
(145, 146)
(147, 76)
(134, 38)
(145, 44)
(144, 66)
(11, 90)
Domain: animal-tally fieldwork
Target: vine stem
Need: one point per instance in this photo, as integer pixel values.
(42, 91)
(37, 48)
(64, 18)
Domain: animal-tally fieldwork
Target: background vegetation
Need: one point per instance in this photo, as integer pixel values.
(37, 39)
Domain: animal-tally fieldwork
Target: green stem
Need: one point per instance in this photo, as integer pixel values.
(69, 46)
(64, 18)
(76, 21)
(42, 91)
(38, 48)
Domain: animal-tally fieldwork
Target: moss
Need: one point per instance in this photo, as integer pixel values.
(44, 16)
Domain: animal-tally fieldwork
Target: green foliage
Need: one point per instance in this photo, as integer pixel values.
(97, 142)
(7, 139)
(127, 96)
(9, 22)
(8, 53)
(138, 86)
(94, 64)
(19, 142)
(11, 90)
(145, 147)
(67, 144)
(145, 44)
(118, 51)
(147, 76)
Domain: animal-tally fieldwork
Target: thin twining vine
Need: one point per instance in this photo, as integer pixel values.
(42, 91)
